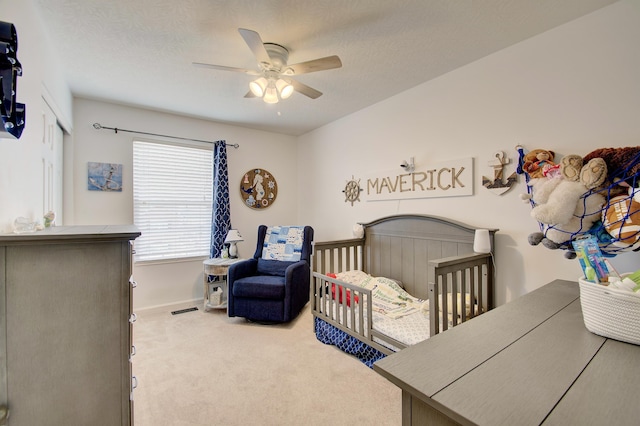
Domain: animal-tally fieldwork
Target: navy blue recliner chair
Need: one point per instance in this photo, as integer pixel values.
(273, 286)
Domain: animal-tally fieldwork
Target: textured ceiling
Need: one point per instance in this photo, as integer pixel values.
(141, 52)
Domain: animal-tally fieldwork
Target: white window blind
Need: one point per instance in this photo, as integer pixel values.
(172, 193)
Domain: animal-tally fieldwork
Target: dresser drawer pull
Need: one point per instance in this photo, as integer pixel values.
(133, 318)
(134, 384)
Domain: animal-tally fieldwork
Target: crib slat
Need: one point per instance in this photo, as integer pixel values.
(454, 298)
(480, 295)
(337, 256)
(463, 293)
(472, 292)
(434, 306)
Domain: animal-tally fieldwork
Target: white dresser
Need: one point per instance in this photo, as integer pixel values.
(66, 326)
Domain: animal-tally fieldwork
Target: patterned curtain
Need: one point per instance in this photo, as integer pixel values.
(221, 212)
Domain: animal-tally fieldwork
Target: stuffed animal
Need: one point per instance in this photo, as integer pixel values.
(588, 209)
(561, 203)
(537, 162)
(623, 164)
(567, 207)
(570, 167)
(541, 189)
(621, 219)
(593, 174)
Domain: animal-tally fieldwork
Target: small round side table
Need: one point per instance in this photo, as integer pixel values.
(215, 292)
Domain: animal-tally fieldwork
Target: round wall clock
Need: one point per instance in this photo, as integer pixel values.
(258, 188)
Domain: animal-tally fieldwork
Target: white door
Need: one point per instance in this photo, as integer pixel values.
(52, 163)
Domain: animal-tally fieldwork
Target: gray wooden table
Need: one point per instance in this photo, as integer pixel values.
(528, 362)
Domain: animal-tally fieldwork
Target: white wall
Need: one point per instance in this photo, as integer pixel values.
(21, 192)
(572, 90)
(167, 283)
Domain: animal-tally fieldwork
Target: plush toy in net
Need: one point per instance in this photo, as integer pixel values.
(608, 209)
(621, 219)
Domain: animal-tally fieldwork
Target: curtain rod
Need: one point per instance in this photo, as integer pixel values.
(98, 126)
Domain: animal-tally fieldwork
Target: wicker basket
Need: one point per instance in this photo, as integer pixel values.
(610, 312)
(215, 298)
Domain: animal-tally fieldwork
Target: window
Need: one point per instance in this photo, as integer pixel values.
(172, 198)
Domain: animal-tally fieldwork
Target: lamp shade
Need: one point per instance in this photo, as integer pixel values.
(258, 86)
(271, 94)
(284, 88)
(233, 236)
(481, 241)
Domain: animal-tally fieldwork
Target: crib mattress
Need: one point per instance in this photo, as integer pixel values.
(409, 329)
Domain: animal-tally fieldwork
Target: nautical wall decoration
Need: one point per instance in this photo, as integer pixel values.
(13, 113)
(497, 185)
(352, 191)
(104, 177)
(435, 179)
(258, 188)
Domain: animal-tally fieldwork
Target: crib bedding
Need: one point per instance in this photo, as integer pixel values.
(396, 313)
(408, 329)
(330, 335)
(389, 298)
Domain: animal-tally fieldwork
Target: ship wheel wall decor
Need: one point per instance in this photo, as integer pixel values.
(352, 191)
(258, 188)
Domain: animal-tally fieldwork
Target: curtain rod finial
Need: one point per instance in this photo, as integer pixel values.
(97, 126)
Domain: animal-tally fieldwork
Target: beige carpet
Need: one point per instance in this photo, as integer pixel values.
(203, 368)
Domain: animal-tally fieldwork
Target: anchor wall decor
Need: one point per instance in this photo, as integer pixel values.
(497, 185)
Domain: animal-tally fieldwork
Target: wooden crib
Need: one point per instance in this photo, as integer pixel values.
(431, 257)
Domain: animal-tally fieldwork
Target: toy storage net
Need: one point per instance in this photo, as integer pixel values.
(616, 233)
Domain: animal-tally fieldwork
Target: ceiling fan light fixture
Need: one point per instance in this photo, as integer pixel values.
(285, 89)
(258, 86)
(274, 82)
(271, 95)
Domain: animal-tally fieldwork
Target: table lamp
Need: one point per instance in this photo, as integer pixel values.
(233, 236)
(481, 241)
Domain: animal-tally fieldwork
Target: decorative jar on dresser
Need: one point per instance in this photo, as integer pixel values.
(66, 326)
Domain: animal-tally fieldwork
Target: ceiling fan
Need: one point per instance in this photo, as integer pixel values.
(275, 80)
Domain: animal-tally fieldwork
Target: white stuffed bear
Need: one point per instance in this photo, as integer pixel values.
(565, 205)
(564, 224)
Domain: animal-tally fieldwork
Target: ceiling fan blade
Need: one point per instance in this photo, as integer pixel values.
(254, 41)
(223, 68)
(249, 94)
(321, 64)
(305, 90)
